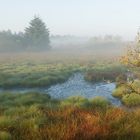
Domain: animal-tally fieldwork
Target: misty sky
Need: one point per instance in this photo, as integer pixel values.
(75, 17)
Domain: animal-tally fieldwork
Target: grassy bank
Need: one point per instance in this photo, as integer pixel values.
(105, 73)
(35, 116)
(34, 74)
(37, 73)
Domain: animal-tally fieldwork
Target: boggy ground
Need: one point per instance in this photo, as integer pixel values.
(35, 116)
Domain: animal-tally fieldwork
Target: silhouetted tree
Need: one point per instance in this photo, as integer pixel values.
(37, 35)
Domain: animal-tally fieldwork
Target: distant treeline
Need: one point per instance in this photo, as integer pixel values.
(107, 40)
(98, 44)
(11, 41)
(108, 44)
(34, 38)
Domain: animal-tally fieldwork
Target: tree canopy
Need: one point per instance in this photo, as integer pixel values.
(132, 58)
(37, 35)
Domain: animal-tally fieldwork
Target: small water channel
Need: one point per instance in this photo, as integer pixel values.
(77, 86)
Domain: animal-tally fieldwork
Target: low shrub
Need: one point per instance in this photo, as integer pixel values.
(132, 99)
(99, 102)
(75, 101)
(5, 135)
(121, 80)
(120, 91)
(26, 99)
(136, 86)
(6, 123)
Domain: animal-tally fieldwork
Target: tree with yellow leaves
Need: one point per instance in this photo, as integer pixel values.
(132, 58)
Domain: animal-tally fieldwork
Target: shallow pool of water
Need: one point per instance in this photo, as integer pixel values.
(77, 86)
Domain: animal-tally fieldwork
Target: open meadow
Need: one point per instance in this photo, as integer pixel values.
(38, 116)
